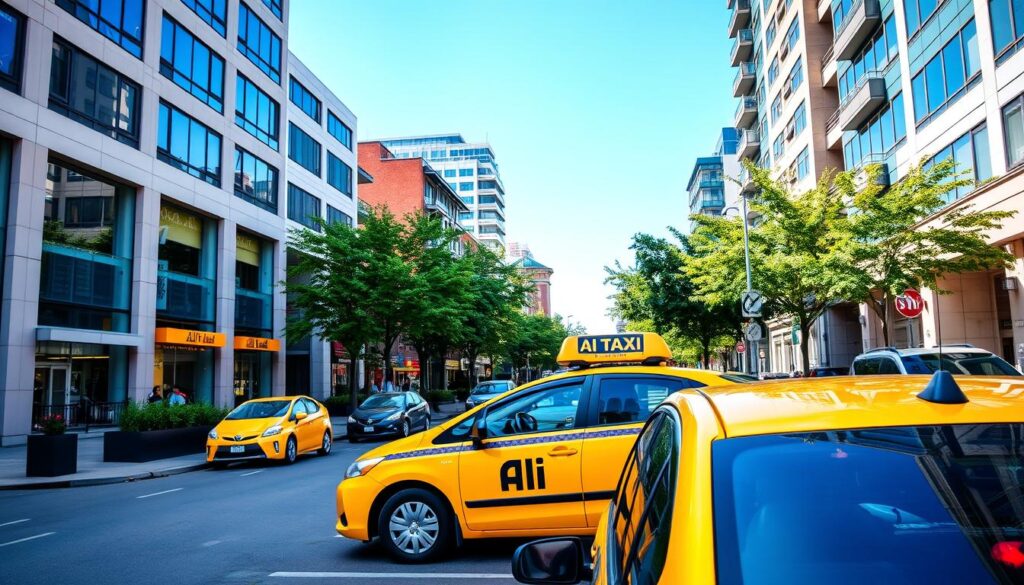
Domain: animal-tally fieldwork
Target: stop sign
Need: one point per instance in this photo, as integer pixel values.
(910, 304)
(740, 347)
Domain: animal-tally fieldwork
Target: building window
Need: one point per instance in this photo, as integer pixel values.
(773, 72)
(918, 12)
(191, 65)
(449, 173)
(467, 186)
(803, 165)
(1013, 125)
(468, 199)
(339, 174)
(776, 108)
(873, 59)
(452, 186)
(778, 148)
(213, 12)
(185, 143)
(465, 215)
(796, 76)
(89, 212)
(303, 149)
(119, 20)
(275, 7)
(335, 215)
(258, 43)
(487, 184)
(970, 152)
(769, 35)
(303, 207)
(1007, 30)
(793, 34)
(338, 129)
(12, 41)
(873, 141)
(93, 94)
(465, 172)
(255, 180)
(256, 112)
(302, 97)
(799, 119)
(944, 79)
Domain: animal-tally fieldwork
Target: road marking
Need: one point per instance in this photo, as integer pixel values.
(335, 575)
(251, 473)
(159, 493)
(15, 522)
(25, 539)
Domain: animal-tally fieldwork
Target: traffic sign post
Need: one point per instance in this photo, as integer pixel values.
(910, 304)
(752, 303)
(753, 331)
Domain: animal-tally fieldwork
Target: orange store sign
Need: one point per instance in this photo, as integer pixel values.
(172, 336)
(257, 343)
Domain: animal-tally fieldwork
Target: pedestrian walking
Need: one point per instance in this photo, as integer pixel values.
(157, 395)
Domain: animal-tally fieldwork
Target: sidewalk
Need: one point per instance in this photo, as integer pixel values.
(93, 471)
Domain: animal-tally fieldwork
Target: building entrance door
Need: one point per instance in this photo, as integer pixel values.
(247, 376)
(53, 393)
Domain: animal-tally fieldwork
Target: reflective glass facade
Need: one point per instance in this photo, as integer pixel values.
(185, 143)
(121, 21)
(191, 64)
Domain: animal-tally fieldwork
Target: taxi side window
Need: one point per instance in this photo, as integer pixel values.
(643, 507)
(310, 406)
(553, 409)
(622, 400)
(298, 407)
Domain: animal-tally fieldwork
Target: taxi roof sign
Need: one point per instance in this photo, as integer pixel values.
(581, 350)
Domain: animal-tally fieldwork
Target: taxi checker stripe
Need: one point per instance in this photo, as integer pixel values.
(514, 443)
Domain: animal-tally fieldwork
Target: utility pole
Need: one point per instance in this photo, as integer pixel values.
(752, 350)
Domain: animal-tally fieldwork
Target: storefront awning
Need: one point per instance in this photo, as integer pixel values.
(257, 343)
(83, 336)
(189, 337)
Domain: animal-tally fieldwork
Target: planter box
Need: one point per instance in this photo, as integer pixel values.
(139, 446)
(51, 455)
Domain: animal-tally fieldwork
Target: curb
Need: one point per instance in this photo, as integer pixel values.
(69, 483)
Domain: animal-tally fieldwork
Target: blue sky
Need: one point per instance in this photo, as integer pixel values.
(596, 109)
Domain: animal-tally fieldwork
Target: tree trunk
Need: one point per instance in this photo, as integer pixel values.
(473, 378)
(805, 347)
(353, 391)
(881, 310)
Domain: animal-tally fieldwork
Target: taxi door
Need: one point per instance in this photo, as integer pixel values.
(620, 406)
(526, 474)
(304, 429)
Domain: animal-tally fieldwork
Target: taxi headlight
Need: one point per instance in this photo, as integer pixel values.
(395, 416)
(352, 419)
(213, 434)
(274, 430)
(362, 467)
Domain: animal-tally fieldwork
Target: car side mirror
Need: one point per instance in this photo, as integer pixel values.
(300, 415)
(555, 561)
(479, 430)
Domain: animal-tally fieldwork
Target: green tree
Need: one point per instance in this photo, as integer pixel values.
(537, 341)
(798, 252)
(892, 252)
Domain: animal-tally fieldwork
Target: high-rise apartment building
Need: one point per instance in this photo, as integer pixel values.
(713, 187)
(146, 150)
(895, 82)
(472, 171)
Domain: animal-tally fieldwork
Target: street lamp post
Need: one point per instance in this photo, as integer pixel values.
(750, 285)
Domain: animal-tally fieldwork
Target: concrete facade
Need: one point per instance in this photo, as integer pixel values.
(44, 148)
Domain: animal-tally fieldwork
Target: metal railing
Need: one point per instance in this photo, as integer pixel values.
(80, 415)
(833, 121)
(827, 58)
(847, 17)
(746, 103)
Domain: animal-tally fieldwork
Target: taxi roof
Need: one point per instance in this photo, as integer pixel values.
(616, 348)
(850, 402)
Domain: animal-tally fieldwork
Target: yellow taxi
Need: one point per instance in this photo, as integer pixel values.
(542, 459)
(893, 479)
(279, 427)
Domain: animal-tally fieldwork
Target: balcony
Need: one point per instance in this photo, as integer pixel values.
(743, 47)
(862, 19)
(744, 82)
(746, 113)
(824, 10)
(253, 309)
(750, 144)
(861, 179)
(863, 101)
(747, 184)
(185, 297)
(706, 203)
(833, 132)
(829, 68)
(740, 17)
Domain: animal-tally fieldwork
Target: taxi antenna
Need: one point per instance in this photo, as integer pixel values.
(943, 389)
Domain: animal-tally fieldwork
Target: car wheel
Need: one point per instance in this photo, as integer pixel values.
(291, 450)
(325, 445)
(414, 526)
(405, 428)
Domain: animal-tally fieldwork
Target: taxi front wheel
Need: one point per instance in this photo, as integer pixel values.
(414, 526)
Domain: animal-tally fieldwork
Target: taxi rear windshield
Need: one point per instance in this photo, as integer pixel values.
(933, 504)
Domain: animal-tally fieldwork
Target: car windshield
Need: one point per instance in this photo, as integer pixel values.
(491, 388)
(384, 401)
(934, 504)
(976, 364)
(268, 409)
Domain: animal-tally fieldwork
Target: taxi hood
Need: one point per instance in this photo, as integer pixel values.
(246, 426)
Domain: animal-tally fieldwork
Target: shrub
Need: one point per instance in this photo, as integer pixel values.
(462, 394)
(53, 424)
(159, 416)
(439, 396)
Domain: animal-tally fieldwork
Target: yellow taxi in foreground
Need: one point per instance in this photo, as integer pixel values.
(840, 480)
(542, 459)
(280, 427)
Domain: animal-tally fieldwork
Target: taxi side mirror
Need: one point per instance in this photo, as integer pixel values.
(300, 415)
(556, 561)
(479, 430)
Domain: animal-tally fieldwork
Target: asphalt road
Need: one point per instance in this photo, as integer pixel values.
(249, 523)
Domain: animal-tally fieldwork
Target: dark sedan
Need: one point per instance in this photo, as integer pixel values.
(389, 414)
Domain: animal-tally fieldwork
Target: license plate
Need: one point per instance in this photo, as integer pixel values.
(367, 429)
(238, 448)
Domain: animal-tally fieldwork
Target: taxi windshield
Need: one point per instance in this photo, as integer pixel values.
(383, 401)
(934, 504)
(269, 409)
